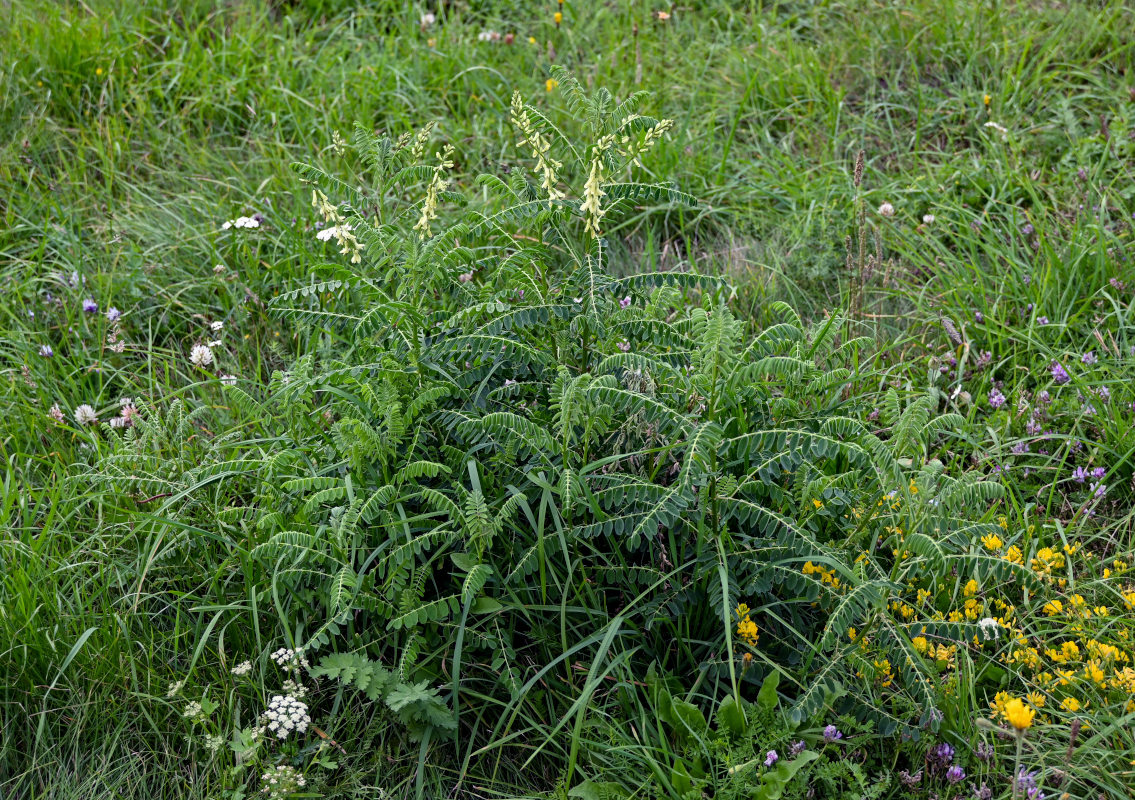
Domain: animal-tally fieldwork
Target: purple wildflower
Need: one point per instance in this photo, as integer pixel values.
(112, 314)
(1080, 474)
(46, 351)
(1089, 358)
(1032, 427)
(996, 399)
(797, 748)
(626, 301)
(939, 757)
(625, 346)
(910, 781)
(1042, 320)
(979, 316)
(1027, 229)
(1104, 393)
(984, 751)
(90, 306)
(955, 774)
(831, 733)
(1020, 448)
(984, 793)
(1059, 374)
(1098, 490)
(1043, 397)
(771, 758)
(1099, 472)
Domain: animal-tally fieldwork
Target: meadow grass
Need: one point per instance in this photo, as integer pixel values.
(131, 133)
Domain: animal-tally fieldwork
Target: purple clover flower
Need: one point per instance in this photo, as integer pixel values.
(1099, 472)
(1042, 320)
(1098, 490)
(1080, 474)
(1032, 427)
(1089, 358)
(831, 733)
(797, 748)
(955, 774)
(90, 306)
(1027, 229)
(1020, 448)
(1059, 374)
(979, 316)
(939, 757)
(771, 758)
(996, 399)
(984, 751)
(113, 314)
(46, 351)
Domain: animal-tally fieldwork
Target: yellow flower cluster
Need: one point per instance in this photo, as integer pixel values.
(746, 629)
(827, 576)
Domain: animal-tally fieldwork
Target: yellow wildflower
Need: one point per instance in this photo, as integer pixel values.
(1019, 715)
(992, 542)
(1070, 704)
(551, 84)
(558, 17)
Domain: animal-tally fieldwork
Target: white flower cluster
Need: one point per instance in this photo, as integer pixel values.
(286, 714)
(327, 234)
(200, 356)
(193, 711)
(289, 659)
(294, 689)
(85, 415)
(283, 781)
(243, 668)
(989, 628)
(241, 222)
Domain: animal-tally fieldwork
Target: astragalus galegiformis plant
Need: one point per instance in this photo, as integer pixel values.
(508, 474)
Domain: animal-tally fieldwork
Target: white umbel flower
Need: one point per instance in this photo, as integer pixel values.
(243, 668)
(85, 415)
(286, 714)
(200, 356)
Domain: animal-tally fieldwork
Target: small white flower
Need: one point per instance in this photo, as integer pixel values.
(200, 356)
(228, 380)
(990, 628)
(886, 210)
(193, 710)
(999, 128)
(327, 234)
(286, 714)
(174, 688)
(85, 415)
(215, 343)
(217, 325)
(218, 269)
(428, 19)
(214, 743)
(927, 218)
(243, 668)
(56, 413)
(241, 222)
